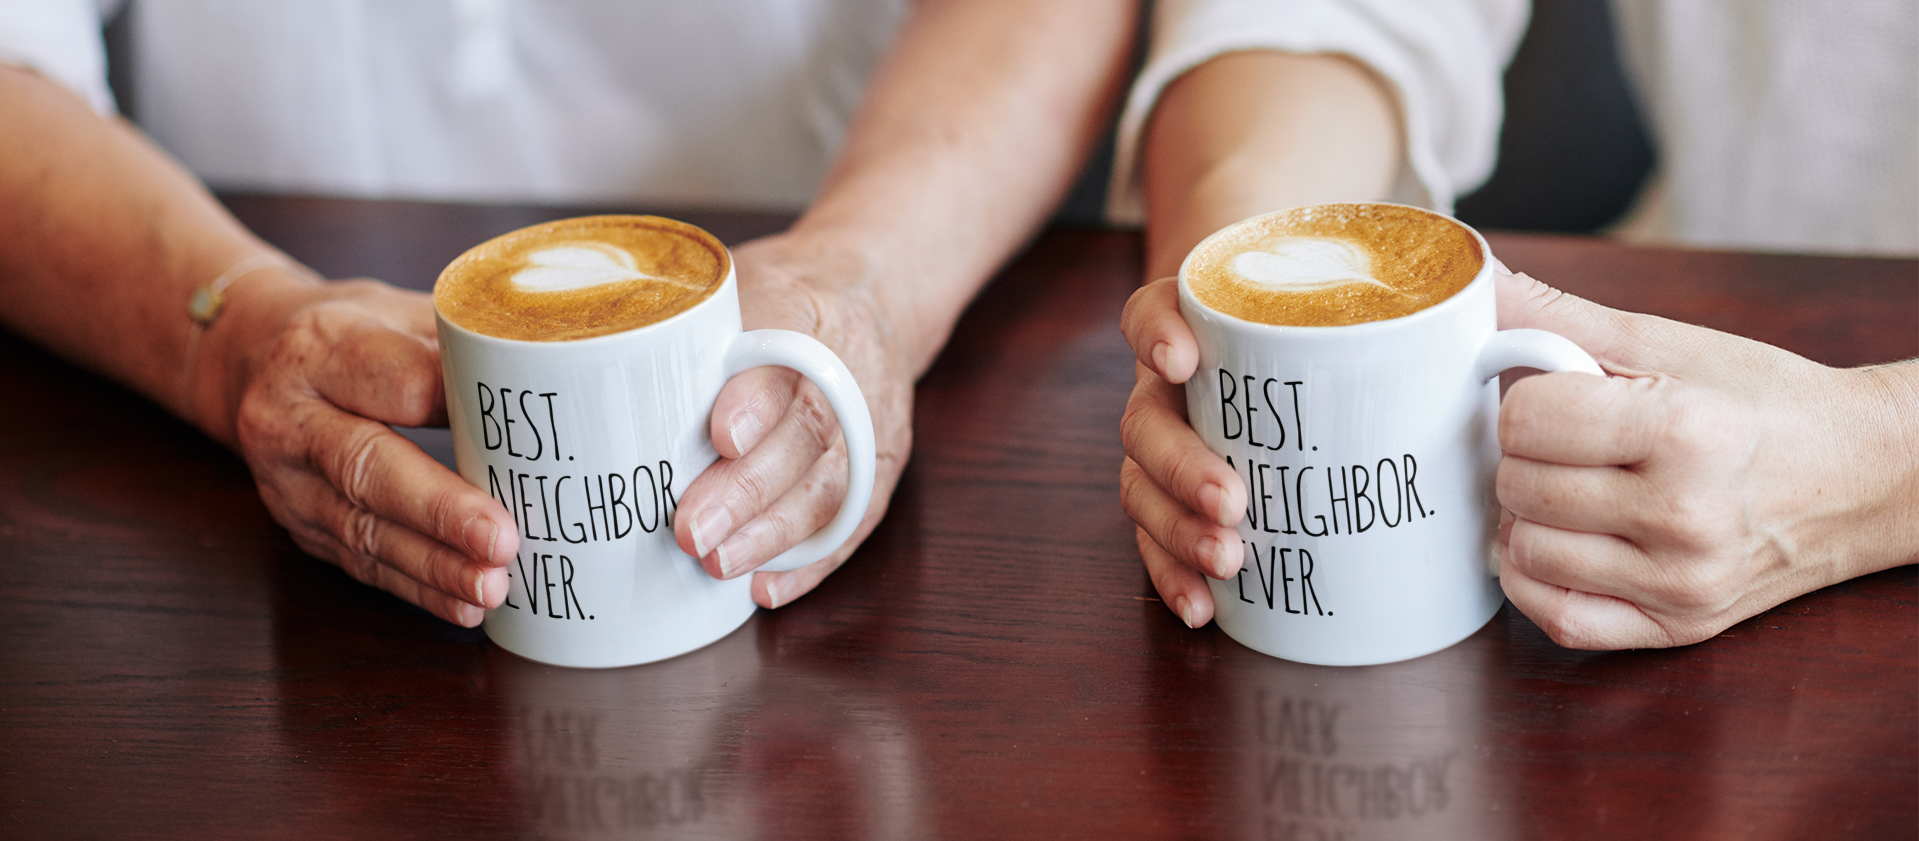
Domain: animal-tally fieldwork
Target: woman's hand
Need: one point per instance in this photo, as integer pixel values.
(1709, 479)
(1183, 498)
(312, 424)
(782, 472)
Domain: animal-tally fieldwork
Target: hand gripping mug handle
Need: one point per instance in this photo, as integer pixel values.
(813, 361)
(1528, 348)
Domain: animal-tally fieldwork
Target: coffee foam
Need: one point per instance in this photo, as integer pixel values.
(1331, 265)
(580, 278)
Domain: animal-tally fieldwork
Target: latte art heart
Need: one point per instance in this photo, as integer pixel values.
(1306, 264)
(1333, 264)
(580, 278)
(578, 266)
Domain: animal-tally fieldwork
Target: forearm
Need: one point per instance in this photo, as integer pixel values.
(1251, 132)
(969, 134)
(105, 239)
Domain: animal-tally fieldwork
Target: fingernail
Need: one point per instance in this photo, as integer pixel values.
(469, 616)
(772, 593)
(479, 534)
(492, 581)
(1214, 553)
(726, 566)
(1162, 353)
(1219, 503)
(710, 529)
(1186, 612)
(745, 429)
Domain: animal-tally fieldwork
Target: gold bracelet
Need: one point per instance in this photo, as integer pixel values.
(206, 305)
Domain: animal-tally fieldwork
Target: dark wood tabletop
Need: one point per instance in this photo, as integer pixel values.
(992, 663)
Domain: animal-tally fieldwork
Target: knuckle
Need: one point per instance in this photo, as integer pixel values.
(444, 512)
(1517, 485)
(815, 417)
(1161, 567)
(1146, 415)
(1687, 427)
(362, 568)
(821, 488)
(360, 532)
(352, 462)
(443, 571)
(1550, 301)
(789, 524)
(1132, 419)
(1176, 526)
(1689, 522)
(1166, 578)
(892, 454)
(1509, 486)
(1140, 497)
(1187, 470)
(1135, 434)
(1702, 588)
(1521, 553)
(756, 488)
(1519, 415)
(1130, 476)
(1570, 628)
(1570, 633)
(1696, 428)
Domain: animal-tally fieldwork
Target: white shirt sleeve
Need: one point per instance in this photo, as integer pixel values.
(59, 39)
(1442, 59)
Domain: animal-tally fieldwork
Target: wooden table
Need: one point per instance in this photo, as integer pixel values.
(991, 664)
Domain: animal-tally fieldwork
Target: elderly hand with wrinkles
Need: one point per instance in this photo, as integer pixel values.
(350, 357)
(782, 472)
(951, 162)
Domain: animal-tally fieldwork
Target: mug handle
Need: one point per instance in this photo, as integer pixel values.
(803, 353)
(1525, 347)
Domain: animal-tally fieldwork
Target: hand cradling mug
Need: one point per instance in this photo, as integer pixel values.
(581, 359)
(1348, 372)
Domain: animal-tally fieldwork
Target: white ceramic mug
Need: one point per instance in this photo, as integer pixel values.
(1368, 452)
(588, 443)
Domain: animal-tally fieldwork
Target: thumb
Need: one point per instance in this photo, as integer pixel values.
(1525, 302)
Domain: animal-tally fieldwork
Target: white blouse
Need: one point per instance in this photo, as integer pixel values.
(689, 103)
(736, 104)
(1443, 60)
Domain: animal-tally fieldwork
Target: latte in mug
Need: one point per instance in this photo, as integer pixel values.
(580, 278)
(1333, 264)
(581, 360)
(1367, 438)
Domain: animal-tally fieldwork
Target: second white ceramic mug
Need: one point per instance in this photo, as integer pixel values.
(1368, 453)
(588, 443)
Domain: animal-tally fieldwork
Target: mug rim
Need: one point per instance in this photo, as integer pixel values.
(1482, 276)
(726, 281)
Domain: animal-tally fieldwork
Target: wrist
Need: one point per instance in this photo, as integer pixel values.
(222, 357)
(854, 269)
(1891, 413)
